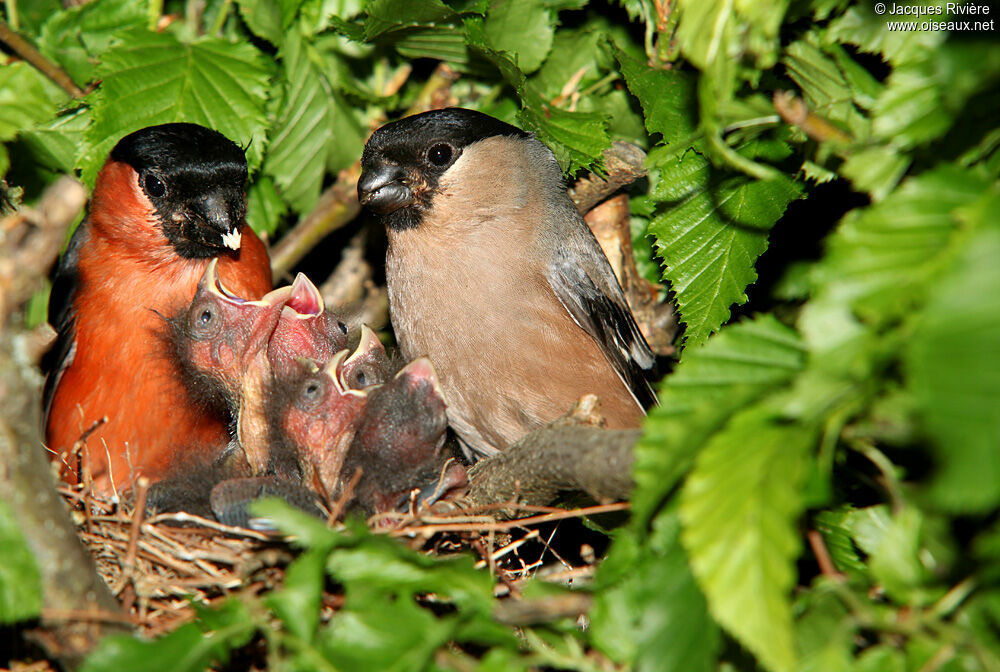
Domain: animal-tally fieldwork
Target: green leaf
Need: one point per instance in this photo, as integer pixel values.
(574, 54)
(297, 603)
(55, 143)
(710, 31)
(922, 98)
(381, 563)
(881, 259)
(296, 158)
(824, 87)
(837, 530)
(522, 28)
(152, 78)
(389, 15)
(876, 170)
(381, 632)
(27, 98)
(190, 648)
(895, 560)
(881, 658)
(953, 371)
(269, 19)
(667, 98)
(308, 531)
(577, 139)
(824, 633)
(653, 617)
(442, 44)
(264, 206)
(713, 381)
(867, 30)
(711, 235)
(78, 37)
(739, 509)
(20, 582)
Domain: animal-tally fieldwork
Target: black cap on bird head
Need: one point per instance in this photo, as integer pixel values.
(194, 177)
(404, 160)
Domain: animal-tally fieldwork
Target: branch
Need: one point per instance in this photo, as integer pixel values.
(29, 53)
(351, 291)
(553, 459)
(337, 206)
(625, 163)
(31, 241)
(611, 224)
(69, 579)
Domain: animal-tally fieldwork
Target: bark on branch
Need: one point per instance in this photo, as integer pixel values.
(29, 244)
(554, 459)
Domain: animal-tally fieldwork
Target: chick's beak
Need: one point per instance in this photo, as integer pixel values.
(383, 188)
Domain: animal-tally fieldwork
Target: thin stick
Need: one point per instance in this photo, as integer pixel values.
(29, 53)
(823, 559)
(513, 524)
(141, 489)
(86, 615)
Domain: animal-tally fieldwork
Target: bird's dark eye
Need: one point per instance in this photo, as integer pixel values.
(310, 393)
(364, 376)
(204, 321)
(439, 155)
(343, 327)
(154, 186)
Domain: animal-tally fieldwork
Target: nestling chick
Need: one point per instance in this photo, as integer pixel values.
(485, 242)
(313, 414)
(221, 341)
(168, 199)
(399, 444)
(219, 334)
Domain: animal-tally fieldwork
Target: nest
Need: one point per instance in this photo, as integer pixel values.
(158, 565)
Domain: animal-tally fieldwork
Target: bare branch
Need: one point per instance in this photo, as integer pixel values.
(29, 53)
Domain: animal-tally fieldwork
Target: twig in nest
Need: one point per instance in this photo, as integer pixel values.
(141, 489)
(505, 526)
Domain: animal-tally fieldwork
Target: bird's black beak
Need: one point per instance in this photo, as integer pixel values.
(383, 188)
(221, 213)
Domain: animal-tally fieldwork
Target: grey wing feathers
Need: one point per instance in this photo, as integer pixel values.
(61, 317)
(581, 277)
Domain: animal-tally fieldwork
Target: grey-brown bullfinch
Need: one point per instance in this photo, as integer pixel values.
(493, 274)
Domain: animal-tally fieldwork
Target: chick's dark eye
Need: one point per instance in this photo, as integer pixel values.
(154, 186)
(204, 321)
(439, 155)
(311, 391)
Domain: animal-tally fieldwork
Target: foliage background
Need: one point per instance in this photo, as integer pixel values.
(853, 404)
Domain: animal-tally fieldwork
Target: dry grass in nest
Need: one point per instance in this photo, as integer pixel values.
(156, 568)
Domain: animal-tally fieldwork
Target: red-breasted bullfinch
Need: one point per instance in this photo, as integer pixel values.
(168, 200)
(485, 242)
